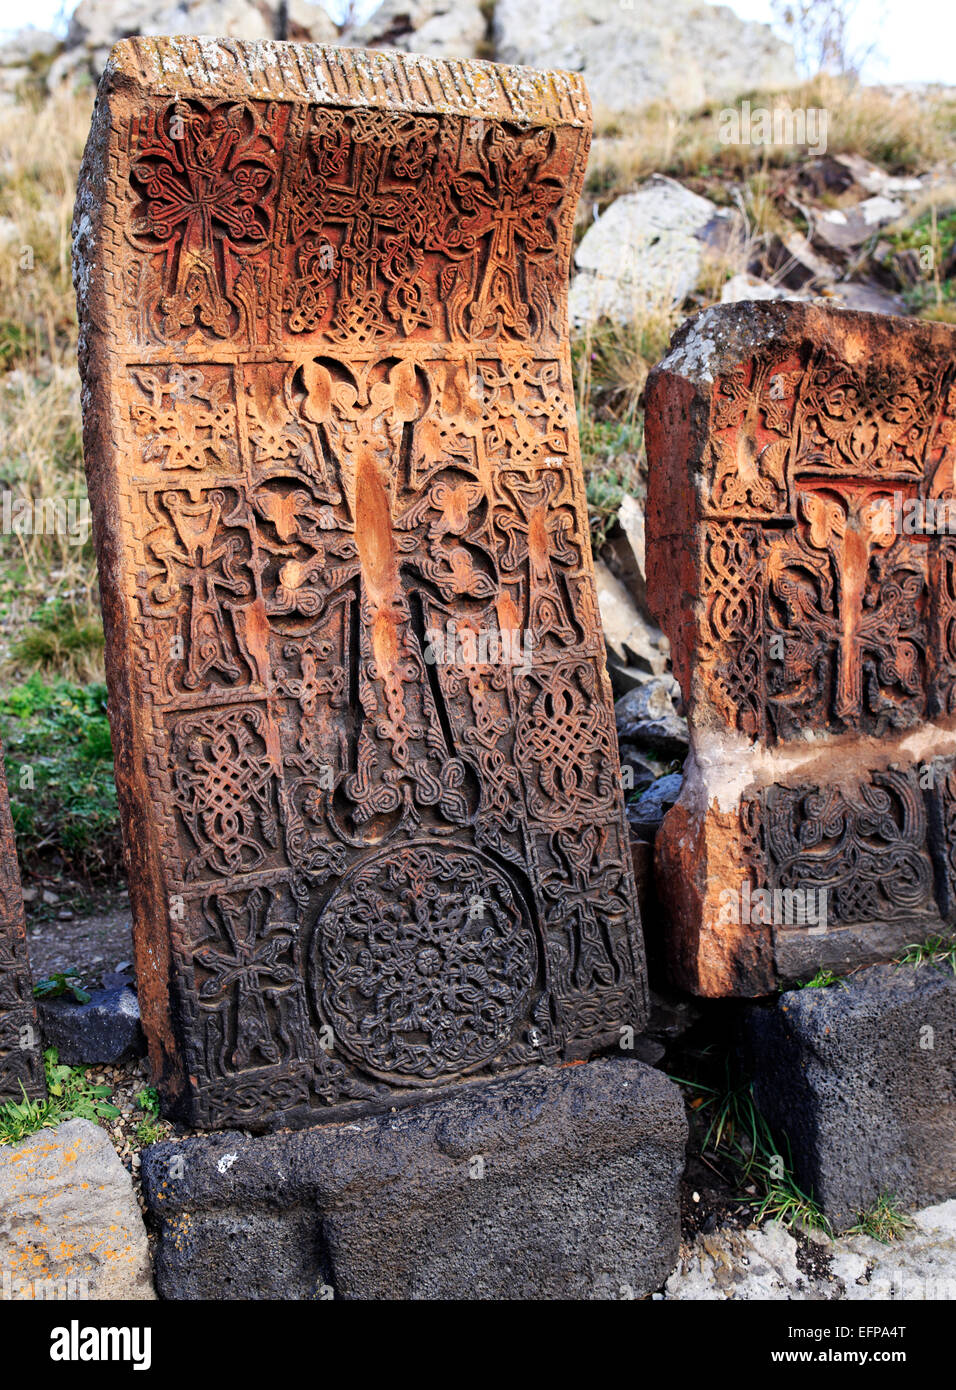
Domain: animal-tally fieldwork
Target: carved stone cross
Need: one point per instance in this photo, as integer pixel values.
(329, 415)
(814, 637)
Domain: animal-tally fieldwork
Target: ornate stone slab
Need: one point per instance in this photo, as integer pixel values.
(801, 541)
(21, 1054)
(365, 744)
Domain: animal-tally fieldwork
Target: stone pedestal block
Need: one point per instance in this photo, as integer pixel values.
(861, 1078)
(555, 1183)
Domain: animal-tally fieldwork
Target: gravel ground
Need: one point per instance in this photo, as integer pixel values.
(96, 944)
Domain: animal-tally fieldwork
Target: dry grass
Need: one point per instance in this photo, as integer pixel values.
(904, 132)
(49, 616)
(40, 150)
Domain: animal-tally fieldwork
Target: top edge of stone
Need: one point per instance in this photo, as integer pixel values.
(722, 336)
(197, 66)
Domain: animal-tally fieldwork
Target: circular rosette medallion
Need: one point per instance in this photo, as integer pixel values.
(423, 962)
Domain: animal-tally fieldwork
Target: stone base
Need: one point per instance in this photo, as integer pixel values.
(859, 1077)
(558, 1183)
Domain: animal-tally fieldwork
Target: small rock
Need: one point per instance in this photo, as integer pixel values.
(645, 816)
(22, 47)
(646, 716)
(104, 1031)
(623, 552)
(70, 1225)
(798, 266)
(844, 229)
(634, 644)
(854, 294)
(872, 179)
(741, 287)
(671, 1016)
(637, 773)
(440, 28)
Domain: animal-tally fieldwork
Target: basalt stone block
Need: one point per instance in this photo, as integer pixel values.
(103, 1031)
(364, 736)
(21, 1060)
(556, 1183)
(861, 1078)
(801, 459)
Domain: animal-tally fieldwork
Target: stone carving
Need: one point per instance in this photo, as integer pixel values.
(21, 1053)
(801, 559)
(364, 739)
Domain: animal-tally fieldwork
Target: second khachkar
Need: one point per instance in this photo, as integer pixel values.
(364, 739)
(801, 529)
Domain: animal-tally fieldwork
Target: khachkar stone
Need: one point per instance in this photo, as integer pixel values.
(802, 559)
(364, 738)
(21, 1061)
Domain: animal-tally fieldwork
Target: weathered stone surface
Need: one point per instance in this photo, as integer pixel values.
(640, 51)
(646, 249)
(920, 1265)
(624, 550)
(749, 287)
(859, 1077)
(646, 716)
(104, 1031)
(96, 25)
(70, 1225)
(557, 1183)
(636, 648)
(21, 1060)
(364, 740)
(440, 28)
(24, 45)
(765, 1264)
(813, 636)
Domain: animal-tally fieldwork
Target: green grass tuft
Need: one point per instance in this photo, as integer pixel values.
(935, 950)
(60, 773)
(823, 979)
(739, 1132)
(885, 1220)
(70, 1096)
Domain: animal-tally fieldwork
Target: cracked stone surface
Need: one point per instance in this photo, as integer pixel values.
(771, 1263)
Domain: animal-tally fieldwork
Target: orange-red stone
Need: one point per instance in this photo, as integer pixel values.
(793, 450)
(364, 738)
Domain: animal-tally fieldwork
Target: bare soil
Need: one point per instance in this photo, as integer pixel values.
(96, 942)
